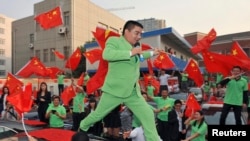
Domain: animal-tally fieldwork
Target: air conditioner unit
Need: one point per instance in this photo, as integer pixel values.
(62, 30)
(31, 45)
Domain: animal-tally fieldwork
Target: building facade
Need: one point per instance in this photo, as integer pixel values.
(80, 18)
(5, 45)
(152, 24)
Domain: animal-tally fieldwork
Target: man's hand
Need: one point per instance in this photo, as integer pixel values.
(157, 51)
(135, 51)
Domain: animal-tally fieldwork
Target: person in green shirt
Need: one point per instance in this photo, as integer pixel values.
(150, 89)
(56, 113)
(184, 81)
(198, 127)
(60, 81)
(78, 107)
(236, 95)
(164, 104)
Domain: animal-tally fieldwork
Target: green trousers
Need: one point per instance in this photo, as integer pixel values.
(135, 102)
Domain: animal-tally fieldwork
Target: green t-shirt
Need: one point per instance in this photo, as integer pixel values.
(54, 120)
(206, 88)
(78, 103)
(150, 90)
(160, 102)
(184, 77)
(202, 130)
(60, 79)
(234, 91)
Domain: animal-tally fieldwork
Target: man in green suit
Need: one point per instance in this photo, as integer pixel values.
(121, 82)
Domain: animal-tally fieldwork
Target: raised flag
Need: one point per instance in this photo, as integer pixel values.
(67, 95)
(74, 59)
(192, 105)
(194, 72)
(163, 61)
(205, 42)
(50, 19)
(58, 54)
(93, 55)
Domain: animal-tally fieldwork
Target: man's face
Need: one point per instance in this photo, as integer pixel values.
(236, 71)
(133, 35)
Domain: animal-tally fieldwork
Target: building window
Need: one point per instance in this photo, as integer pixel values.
(66, 52)
(38, 27)
(2, 52)
(38, 54)
(45, 55)
(52, 55)
(1, 30)
(2, 72)
(2, 62)
(2, 41)
(66, 18)
(2, 20)
(32, 38)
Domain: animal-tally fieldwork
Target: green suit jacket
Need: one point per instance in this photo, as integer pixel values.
(123, 69)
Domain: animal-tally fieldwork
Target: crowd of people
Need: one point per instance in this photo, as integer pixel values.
(124, 111)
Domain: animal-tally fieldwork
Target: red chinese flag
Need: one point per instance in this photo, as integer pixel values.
(25, 71)
(74, 59)
(13, 83)
(58, 54)
(96, 81)
(50, 19)
(205, 42)
(101, 35)
(191, 105)
(37, 67)
(162, 61)
(194, 72)
(93, 55)
(22, 100)
(67, 94)
(34, 66)
(145, 47)
(218, 63)
(52, 72)
(80, 80)
(237, 51)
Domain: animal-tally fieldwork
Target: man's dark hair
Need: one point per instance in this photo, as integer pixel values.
(177, 101)
(130, 25)
(80, 136)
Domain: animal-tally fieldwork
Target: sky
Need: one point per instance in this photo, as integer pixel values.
(185, 16)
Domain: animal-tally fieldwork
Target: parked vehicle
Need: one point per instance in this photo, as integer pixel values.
(212, 114)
